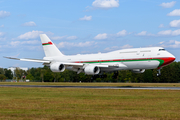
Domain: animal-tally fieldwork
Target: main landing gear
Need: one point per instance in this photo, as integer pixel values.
(159, 72)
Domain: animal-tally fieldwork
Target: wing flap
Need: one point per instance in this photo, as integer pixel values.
(118, 65)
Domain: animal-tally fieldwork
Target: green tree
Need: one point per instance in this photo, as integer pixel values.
(30, 77)
(19, 73)
(48, 75)
(8, 74)
(43, 71)
(1, 71)
(2, 77)
(148, 76)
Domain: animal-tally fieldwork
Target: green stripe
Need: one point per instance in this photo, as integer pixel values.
(46, 44)
(160, 62)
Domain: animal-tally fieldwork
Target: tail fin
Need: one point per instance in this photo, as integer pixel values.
(50, 49)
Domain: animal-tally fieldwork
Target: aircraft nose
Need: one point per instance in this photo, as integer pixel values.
(168, 60)
(171, 59)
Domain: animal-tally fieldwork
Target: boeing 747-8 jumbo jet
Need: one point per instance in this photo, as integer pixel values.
(136, 59)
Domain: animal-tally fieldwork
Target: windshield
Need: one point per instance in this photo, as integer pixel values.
(162, 50)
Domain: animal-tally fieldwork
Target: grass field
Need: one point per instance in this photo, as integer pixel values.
(68, 103)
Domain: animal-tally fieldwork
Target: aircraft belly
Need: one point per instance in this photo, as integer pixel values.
(142, 64)
(135, 65)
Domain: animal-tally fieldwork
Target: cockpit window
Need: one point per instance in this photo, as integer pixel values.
(162, 50)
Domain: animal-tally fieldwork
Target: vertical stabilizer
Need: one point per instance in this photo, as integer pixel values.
(50, 49)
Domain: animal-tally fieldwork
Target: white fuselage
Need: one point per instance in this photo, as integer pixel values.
(137, 58)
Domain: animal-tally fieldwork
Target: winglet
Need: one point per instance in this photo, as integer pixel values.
(11, 58)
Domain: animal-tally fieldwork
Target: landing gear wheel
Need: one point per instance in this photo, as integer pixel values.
(158, 74)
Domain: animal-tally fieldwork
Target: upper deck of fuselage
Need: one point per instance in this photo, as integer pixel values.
(138, 50)
(132, 53)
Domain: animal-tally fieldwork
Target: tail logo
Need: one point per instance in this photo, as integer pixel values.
(49, 43)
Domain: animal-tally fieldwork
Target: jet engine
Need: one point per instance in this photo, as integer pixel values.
(138, 70)
(57, 67)
(91, 70)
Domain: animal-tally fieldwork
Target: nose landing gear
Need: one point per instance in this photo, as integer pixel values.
(159, 72)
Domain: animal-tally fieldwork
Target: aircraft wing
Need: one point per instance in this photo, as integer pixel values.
(30, 60)
(70, 64)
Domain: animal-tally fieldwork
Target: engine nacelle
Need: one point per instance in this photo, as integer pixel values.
(91, 70)
(138, 70)
(57, 67)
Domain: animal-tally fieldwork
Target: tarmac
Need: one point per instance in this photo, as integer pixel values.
(96, 87)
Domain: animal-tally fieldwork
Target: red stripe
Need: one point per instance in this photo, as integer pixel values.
(50, 43)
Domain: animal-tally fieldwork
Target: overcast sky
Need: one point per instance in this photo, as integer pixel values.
(86, 26)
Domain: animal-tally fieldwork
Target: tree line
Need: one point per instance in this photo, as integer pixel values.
(169, 74)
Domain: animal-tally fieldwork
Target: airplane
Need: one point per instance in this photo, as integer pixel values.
(135, 59)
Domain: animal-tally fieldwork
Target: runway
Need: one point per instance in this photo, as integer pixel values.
(97, 87)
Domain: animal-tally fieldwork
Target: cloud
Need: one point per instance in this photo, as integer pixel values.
(86, 18)
(143, 33)
(71, 37)
(16, 43)
(175, 12)
(2, 34)
(80, 44)
(101, 36)
(117, 47)
(1, 26)
(161, 42)
(126, 46)
(161, 33)
(168, 5)
(111, 48)
(166, 32)
(170, 44)
(4, 14)
(58, 37)
(161, 25)
(30, 35)
(105, 4)
(31, 23)
(64, 37)
(122, 33)
(111, 36)
(169, 33)
(175, 23)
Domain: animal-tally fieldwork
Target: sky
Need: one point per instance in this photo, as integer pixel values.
(86, 26)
